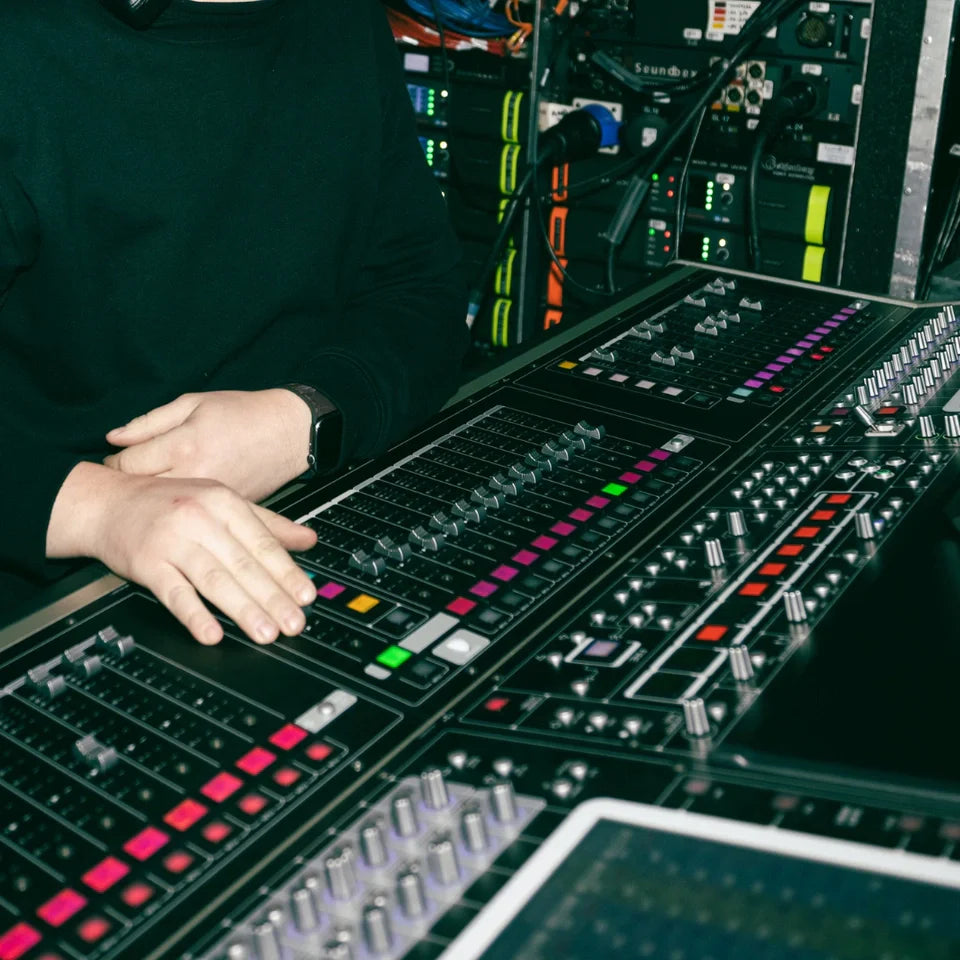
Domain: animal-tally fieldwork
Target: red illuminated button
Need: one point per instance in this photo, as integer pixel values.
(286, 777)
(105, 874)
(178, 861)
(837, 499)
(221, 786)
(216, 831)
(823, 516)
(17, 941)
(286, 738)
(777, 389)
(252, 803)
(59, 909)
(137, 894)
(791, 550)
(318, 751)
(753, 589)
(772, 569)
(712, 633)
(806, 533)
(888, 411)
(93, 929)
(146, 843)
(185, 814)
(496, 704)
(461, 605)
(256, 761)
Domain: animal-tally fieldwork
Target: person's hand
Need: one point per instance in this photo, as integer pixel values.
(187, 538)
(252, 441)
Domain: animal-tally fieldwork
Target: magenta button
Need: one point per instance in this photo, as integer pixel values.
(763, 375)
(525, 557)
(840, 316)
(543, 542)
(660, 454)
(814, 337)
(806, 344)
(753, 384)
(644, 466)
(598, 503)
(848, 311)
(580, 514)
(504, 573)
(783, 358)
(629, 477)
(460, 606)
(833, 324)
(775, 367)
(795, 351)
(562, 528)
(823, 330)
(330, 590)
(483, 588)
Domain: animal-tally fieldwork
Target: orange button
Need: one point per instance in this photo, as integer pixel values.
(712, 633)
(806, 533)
(772, 569)
(838, 498)
(790, 550)
(753, 589)
(823, 516)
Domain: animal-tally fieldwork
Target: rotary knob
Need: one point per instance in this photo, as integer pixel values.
(434, 789)
(373, 847)
(376, 928)
(714, 553)
(404, 815)
(863, 524)
(695, 717)
(266, 941)
(473, 827)
(442, 860)
(503, 802)
(303, 907)
(926, 427)
(410, 894)
(736, 523)
(794, 606)
(741, 666)
(341, 876)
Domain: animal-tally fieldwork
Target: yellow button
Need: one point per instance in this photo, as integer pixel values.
(822, 428)
(566, 365)
(362, 603)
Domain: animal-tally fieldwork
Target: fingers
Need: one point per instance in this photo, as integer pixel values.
(179, 597)
(149, 458)
(154, 422)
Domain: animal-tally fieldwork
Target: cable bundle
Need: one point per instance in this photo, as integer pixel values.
(473, 18)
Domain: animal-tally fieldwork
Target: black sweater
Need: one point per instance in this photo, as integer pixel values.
(232, 199)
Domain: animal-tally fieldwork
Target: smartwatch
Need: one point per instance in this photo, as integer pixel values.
(326, 430)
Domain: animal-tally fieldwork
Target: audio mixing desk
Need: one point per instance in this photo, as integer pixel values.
(647, 647)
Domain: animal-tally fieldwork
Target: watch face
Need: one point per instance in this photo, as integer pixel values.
(327, 441)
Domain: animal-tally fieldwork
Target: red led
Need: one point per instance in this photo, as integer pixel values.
(712, 633)
(17, 941)
(93, 929)
(670, 193)
(888, 411)
(816, 356)
(256, 761)
(59, 909)
(178, 861)
(104, 875)
(838, 499)
(460, 606)
(753, 589)
(496, 704)
(671, 179)
(778, 389)
(286, 777)
(318, 751)
(806, 533)
(826, 349)
(286, 738)
(221, 786)
(823, 516)
(772, 569)
(667, 234)
(137, 894)
(791, 550)
(252, 803)
(185, 814)
(146, 843)
(666, 248)
(216, 831)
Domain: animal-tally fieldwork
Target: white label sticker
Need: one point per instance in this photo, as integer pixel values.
(728, 16)
(835, 153)
(856, 94)
(865, 30)
(692, 33)
(726, 178)
(416, 62)
(658, 224)
(812, 69)
(819, 7)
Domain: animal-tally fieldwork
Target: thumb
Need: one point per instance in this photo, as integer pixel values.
(155, 422)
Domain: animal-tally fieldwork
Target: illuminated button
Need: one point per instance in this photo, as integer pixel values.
(496, 704)
(659, 454)
(104, 875)
(17, 941)
(393, 657)
(286, 738)
(838, 499)
(645, 466)
(580, 515)
(566, 365)
(461, 605)
(615, 489)
(217, 831)
(504, 573)
(286, 777)
(137, 894)
(753, 589)
(93, 929)
(598, 502)
(888, 411)
(712, 633)
(822, 428)
(252, 803)
(525, 557)
(790, 550)
(146, 843)
(823, 516)
(330, 590)
(543, 542)
(256, 761)
(221, 786)
(772, 569)
(318, 751)
(184, 815)
(483, 588)
(363, 603)
(563, 529)
(59, 909)
(630, 477)
(178, 861)
(806, 533)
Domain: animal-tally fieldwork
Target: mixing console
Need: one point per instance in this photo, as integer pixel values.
(702, 558)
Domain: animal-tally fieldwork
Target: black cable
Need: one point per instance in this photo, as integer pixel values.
(444, 59)
(682, 184)
(753, 214)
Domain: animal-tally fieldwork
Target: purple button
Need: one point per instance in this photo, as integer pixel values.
(831, 323)
(660, 454)
(814, 336)
(763, 375)
(848, 311)
(795, 351)
(823, 330)
(806, 344)
(783, 358)
(840, 316)
(775, 367)
(753, 384)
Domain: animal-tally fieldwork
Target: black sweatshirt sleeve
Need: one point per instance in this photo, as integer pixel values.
(403, 330)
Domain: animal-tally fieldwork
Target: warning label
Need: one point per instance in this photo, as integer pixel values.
(726, 17)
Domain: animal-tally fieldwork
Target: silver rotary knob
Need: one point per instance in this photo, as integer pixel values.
(376, 928)
(794, 606)
(951, 425)
(404, 815)
(373, 847)
(410, 894)
(474, 830)
(926, 427)
(266, 941)
(434, 789)
(442, 860)
(736, 523)
(741, 666)
(503, 802)
(863, 524)
(695, 717)
(303, 907)
(341, 875)
(714, 553)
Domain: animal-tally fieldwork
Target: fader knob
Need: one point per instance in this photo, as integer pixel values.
(266, 941)
(503, 802)
(740, 664)
(951, 425)
(474, 830)
(404, 814)
(304, 910)
(376, 929)
(714, 553)
(373, 848)
(736, 523)
(926, 426)
(442, 860)
(794, 607)
(434, 789)
(910, 395)
(341, 878)
(695, 717)
(863, 524)
(410, 894)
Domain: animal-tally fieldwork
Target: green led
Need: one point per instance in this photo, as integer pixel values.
(653, 232)
(393, 657)
(655, 177)
(615, 489)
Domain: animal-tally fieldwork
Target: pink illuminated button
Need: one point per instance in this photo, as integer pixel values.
(256, 761)
(580, 515)
(221, 786)
(252, 803)
(59, 909)
(629, 477)
(217, 831)
(461, 605)
(286, 738)
(146, 843)
(504, 572)
(483, 588)
(93, 929)
(286, 777)
(17, 941)
(319, 751)
(525, 557)
(645, 466)
(178, 861)
(137, 894)
(598, 503)
(496, 704)
(543, 542)
(105, 874)
(660, 454)
(185, 814)
(330, 590)
(562, 528)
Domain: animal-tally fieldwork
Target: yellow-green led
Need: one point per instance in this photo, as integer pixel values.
(653, 232)
(393, 657)
(615, 489)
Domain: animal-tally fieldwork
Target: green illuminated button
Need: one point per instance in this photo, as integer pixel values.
(614, 489)
(393, 656)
